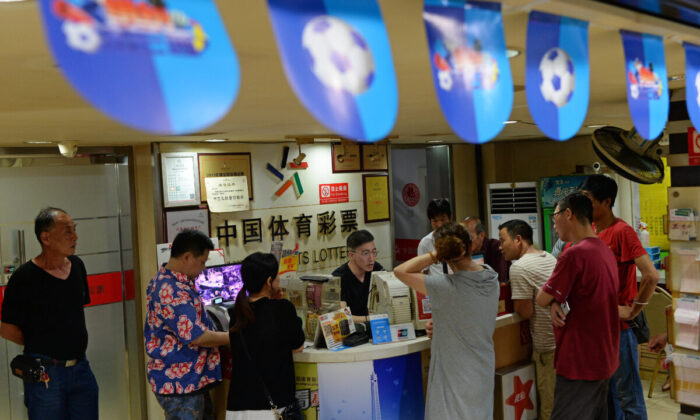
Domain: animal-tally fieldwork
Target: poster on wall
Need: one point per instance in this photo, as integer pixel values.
(165, 68)
(387, 389)
(179, 173)
(471, 72)
(227, 194)
(178, 220)
(557, 73)
(213, 165)
(337, 58)
(692, 82)
(375, 192)
(647, 82)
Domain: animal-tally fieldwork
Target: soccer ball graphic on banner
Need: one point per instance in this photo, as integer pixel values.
(558, 79)
(341, 58)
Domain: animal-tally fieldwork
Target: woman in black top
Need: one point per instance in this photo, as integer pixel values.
(272, 331)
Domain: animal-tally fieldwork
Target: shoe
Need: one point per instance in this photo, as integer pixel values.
(667, 385)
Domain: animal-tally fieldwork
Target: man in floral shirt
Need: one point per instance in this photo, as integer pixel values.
(182, 348)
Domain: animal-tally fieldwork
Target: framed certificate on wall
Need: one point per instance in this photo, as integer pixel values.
(346, 157)
(180, 182)
(178, 220)
(374, 157)
(214, 165)
(375, 194)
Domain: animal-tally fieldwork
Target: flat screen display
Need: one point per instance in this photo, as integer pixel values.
(219, 282)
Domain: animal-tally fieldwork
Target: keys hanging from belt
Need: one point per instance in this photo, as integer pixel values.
(45, 377)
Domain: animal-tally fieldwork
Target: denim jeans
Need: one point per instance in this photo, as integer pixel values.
(625, 390)
(71, 394)
(187, 407)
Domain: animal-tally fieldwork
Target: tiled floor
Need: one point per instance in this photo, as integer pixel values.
(660, 406)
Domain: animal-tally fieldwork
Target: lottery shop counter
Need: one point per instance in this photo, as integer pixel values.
(364, 381)
(368, 381)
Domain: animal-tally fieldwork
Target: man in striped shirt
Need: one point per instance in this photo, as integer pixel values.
(530, 270)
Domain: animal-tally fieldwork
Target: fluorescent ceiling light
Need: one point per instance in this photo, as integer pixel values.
(596, 125)
(434, 141)
(512, 52)
(215, 140)
(511, 122)
(36, 141)
(11, 1)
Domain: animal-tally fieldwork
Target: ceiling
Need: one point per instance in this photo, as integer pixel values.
(37, 103)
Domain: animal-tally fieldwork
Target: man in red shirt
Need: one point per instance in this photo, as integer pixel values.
(582, 295)
(626, 386)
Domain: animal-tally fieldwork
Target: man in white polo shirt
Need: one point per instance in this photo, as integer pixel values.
(530, 270)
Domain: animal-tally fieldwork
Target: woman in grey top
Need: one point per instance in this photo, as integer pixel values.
(465, 305)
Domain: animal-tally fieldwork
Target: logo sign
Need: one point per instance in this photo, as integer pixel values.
(692, 82)
(470, 68)
(693, 146)
(334, 193)
(647, 86)
(557, 73)
(337, 59)
(165, 69)
(410, 194)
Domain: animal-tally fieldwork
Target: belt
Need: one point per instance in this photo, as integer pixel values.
(47, 361)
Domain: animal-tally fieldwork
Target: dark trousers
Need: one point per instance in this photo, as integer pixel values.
(580, 400)
(71, 394)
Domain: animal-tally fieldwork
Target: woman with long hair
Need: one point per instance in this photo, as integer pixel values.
(464, 306)
(266, 331)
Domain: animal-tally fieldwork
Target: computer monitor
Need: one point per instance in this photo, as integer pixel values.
(219, 282)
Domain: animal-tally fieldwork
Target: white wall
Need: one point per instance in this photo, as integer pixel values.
(266, 204)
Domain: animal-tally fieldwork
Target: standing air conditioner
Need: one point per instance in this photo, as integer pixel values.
(510, 201)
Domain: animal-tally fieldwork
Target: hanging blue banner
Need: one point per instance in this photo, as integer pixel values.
(167, 68)
(337, 58)
(557, 74)
(647, 86)
(692, 82)
(470, 68)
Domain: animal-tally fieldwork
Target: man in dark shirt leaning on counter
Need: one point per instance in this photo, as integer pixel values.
(355, 274)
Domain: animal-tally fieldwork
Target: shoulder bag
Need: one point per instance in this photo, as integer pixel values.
(285, 413)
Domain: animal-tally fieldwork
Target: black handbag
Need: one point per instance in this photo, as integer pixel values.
(290, 412)
(27, 368)
(640, 328)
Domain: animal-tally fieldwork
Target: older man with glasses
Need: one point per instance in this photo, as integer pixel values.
(355, 275)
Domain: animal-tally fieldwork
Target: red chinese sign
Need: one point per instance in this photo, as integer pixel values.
(693, 146)
(334, 193)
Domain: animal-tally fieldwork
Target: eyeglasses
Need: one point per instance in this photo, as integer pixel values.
(557, 212)
(366, 253)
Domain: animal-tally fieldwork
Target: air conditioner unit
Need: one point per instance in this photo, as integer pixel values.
(518, 200)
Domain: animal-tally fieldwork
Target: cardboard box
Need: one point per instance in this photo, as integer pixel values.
(516, 393)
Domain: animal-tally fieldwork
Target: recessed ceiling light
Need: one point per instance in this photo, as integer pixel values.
(512, 52)
(37, 141)
(511, 122)
(596, 125)
(434, 141)
(676, 77)
(215, 140)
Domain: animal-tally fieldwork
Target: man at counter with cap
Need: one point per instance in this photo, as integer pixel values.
(355, 274)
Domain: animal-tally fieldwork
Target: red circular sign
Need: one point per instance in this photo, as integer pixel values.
(411, 194)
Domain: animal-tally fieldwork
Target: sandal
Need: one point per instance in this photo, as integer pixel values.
(667, 385)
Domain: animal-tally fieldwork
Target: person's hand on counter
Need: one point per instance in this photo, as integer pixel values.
(429, 328)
